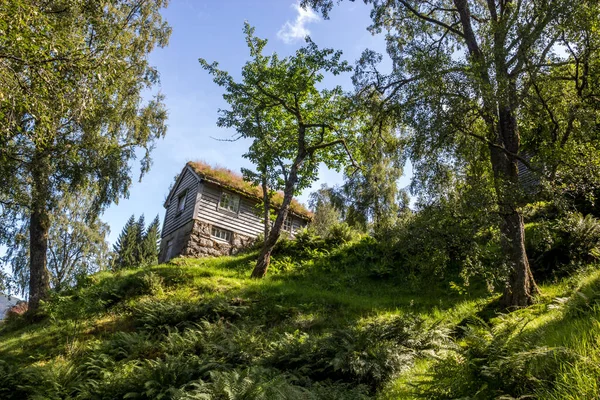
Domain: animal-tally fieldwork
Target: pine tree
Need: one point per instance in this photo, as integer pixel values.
(150, 244)
(126, 247)
(139, 239)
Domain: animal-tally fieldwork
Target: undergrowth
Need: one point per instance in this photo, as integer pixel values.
(325, 324)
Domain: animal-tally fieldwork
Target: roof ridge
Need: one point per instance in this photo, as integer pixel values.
(235, 181)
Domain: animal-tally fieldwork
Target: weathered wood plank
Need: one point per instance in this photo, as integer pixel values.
(173, 218)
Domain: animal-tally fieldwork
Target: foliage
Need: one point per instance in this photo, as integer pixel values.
(137, 245)
(293, 125)
(492, 363)
(150, 245)
(125, 248)
(488, 83)
(557, 247)
(322, 329)
(76, 245)
(73, 74)
(199, 328)
(327, 213)
(371, 192)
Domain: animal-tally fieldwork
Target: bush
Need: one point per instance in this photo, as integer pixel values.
(252, 383)
(116, 288)
(494, 363)
(153, 315)
(370, 355)
(558, 248)
(341, 233)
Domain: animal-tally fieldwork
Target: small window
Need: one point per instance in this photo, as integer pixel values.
(287, 225)
(229, 202)
(181, 202)
(221, 234)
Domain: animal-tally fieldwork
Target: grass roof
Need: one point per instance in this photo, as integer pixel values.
(234, 181)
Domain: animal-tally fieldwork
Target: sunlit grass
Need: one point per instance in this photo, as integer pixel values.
(309, 301)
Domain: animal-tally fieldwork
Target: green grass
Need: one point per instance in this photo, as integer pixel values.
(196, 328)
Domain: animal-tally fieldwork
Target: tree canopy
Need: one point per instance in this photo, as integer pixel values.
(487, 81)
(293, 125)
(73, 76)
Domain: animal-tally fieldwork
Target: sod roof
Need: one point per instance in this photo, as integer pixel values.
(235, 182)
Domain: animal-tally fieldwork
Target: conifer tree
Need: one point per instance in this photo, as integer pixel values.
(139, 239)
(126, 248)
(150, 244)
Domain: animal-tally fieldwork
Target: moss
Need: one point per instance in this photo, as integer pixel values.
(235, 182)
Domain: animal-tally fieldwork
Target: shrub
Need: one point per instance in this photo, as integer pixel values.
(341, 233)
(558, 248)
(116, 288)
(129, 346)
(14, 382)
(153, 315)
(369, 355)
(494, 362)
(252, 383)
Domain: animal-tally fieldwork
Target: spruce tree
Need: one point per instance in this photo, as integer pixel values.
(149, 246)
(126, 247)
(139, 239)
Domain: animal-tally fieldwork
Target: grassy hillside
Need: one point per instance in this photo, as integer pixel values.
(324, 329)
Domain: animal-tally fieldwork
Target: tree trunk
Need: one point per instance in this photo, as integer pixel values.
(520, 286)
(39, 224)
(500, 102)
(264, 259)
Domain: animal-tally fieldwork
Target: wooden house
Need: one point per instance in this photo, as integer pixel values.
(214, 211)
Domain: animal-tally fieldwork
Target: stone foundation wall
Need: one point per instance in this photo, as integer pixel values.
(200, 242)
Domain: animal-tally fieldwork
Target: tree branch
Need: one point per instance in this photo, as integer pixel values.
(434, 21)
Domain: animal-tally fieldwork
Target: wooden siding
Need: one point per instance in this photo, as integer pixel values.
(297, 223)
(173, 219)
(245, 222)
(530, 182)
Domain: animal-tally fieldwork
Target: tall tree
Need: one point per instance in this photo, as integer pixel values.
(468, 70)
(71, 113)
(371, 192)
(76, 244)
(327, 207)
(150, 243)
(126, 248)
(309, 126)
(139, 239)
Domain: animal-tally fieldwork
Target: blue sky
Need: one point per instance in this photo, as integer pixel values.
(213, 30)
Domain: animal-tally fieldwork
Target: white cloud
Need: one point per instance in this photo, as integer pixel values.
(291, 32)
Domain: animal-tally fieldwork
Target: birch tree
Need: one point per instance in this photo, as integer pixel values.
(306, 126)
(469, 70)
(72, 74)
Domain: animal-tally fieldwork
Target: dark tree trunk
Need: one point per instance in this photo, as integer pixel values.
(264, 259)
(39, 224)
(500, 105)
(520, 286)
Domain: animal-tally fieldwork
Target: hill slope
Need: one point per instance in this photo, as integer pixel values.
(202, 329)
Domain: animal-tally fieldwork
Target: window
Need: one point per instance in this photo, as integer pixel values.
(169, 250)
(229, 202)
(287, 225)
(221, 233)
(181, 202)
